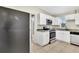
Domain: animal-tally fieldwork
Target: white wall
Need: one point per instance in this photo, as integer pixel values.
(30, 9)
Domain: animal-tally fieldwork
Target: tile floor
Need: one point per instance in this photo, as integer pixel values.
(56, 47)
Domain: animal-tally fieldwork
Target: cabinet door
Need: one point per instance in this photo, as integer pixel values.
(45, 38)
(42, 38)
(77, 19)
(66, 36)
(58, 35)
(52, 18)
(57, 21)
(63, 36)
(42, 19)
(54, 21)
(39, 38)
(47, 17)
(70, 17)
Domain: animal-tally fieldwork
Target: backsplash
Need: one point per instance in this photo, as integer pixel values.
(48, 26)
(69, 25)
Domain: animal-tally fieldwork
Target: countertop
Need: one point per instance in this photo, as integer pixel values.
(63, 29)
(72, 31)
(41, 30)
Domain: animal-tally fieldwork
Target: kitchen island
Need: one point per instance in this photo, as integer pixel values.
(42, 37)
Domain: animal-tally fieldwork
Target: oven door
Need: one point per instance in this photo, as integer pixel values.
(52, 35)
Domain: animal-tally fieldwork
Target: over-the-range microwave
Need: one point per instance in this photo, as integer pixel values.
(48, 22)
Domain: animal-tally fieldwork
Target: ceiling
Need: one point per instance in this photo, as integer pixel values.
(59, 10)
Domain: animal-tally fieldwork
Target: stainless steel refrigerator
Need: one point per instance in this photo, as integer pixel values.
(14, 31)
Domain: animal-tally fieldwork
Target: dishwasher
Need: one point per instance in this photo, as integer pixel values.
(74, 38)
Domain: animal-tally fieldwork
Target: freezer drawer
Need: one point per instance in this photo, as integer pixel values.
(74, 39)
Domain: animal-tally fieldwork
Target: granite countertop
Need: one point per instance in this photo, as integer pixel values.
(63, 29)
(76, 33)
(41, 30)
(72, 31)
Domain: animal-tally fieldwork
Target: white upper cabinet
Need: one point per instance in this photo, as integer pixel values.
(42, 18)
(70, 17)
(77, 19)
(73, 17)
(53, 21)
(49, 17)
(57, 21)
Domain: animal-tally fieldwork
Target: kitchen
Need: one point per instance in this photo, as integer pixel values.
(52, 28)
(64, 28)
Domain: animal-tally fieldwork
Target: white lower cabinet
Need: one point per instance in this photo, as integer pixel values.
(63, 35)
(42, 37)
